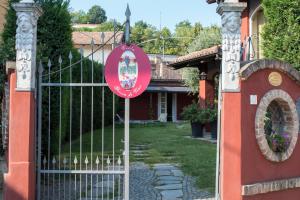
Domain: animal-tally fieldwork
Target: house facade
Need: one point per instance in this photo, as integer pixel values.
(250, 167)
(165, 97)
(208, 61)
(84, 40)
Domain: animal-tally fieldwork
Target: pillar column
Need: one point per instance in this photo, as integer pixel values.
(230, 161)
(20, 181)
(206, 91)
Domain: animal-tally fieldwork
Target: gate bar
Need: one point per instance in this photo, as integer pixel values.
(39, 132)
(127, 104)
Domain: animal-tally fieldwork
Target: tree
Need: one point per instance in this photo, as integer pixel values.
(281, 33)
(54, 38)
(108, 26)
(79, 17)
(139, 30)
(96, 15)
(208, 37)
(184, 31)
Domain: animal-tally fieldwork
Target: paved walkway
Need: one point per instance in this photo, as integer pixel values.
(163, 182)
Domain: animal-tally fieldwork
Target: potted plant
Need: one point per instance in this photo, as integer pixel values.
(278, 142)
(195, 115)
(212, 114)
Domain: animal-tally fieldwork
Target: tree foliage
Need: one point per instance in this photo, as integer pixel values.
(206, 38)
(79, 17)
(103, 27)
(54, 38)
(153, 40)
(281, 34)
(95, 15)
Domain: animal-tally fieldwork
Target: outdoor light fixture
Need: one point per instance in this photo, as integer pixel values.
(203, 76)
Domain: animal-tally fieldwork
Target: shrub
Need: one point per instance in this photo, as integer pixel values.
(281, 33)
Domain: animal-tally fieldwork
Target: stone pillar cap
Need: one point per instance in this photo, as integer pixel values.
(231, 7)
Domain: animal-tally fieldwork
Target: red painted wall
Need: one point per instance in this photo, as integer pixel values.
(245, 24)
(140, 107)
(255, 168)
(19, 182)
(183, 99)
(231, 147)
(206, 93)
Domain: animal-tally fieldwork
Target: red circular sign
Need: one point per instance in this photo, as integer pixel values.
(128, 71)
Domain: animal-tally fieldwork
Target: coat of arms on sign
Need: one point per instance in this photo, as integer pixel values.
(128, 70)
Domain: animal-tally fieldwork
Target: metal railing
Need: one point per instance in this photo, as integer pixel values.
(80, 154)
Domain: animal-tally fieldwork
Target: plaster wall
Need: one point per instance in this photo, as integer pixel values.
(254, 167)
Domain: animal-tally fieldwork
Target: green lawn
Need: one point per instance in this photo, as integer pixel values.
(167, 143)
(197, 158)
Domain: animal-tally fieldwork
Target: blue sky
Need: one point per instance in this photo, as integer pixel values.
(172, 11)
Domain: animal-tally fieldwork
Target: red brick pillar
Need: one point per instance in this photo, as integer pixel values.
(231, 130)
(20, 181)
(206, 93)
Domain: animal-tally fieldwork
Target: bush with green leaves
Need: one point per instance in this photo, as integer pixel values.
(195, 114)
(54, 38)
(281, 33)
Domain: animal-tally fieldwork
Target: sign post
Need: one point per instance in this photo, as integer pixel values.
(128, 74)
(127, 107)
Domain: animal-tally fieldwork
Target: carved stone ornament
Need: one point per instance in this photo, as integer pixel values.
(231, 44)
(27, 16)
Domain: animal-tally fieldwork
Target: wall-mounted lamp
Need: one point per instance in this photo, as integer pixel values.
(203, 76)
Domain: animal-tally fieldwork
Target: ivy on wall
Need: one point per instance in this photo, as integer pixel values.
(281, 34)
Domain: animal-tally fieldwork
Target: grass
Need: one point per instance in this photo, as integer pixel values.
(196, 158)
(167, 143)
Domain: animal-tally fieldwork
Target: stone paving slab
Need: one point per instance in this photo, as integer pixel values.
(169, 178)
(172, 194)
(164, 166)
(177, 173)
(163, 173)
(170, 187)
(164, 182)
(147, 184)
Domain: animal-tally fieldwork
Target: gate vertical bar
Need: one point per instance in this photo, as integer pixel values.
(102, 114)
(217, 190)
(81, 93)
(49, 128)
(70, 128)
(60, 124)
(92, 116)
(127, 104)
(39, 131)
(113, 118)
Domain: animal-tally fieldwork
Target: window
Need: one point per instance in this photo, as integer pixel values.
(276, 125)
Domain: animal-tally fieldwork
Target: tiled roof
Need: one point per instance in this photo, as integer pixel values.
(85, 38)
(198, 54)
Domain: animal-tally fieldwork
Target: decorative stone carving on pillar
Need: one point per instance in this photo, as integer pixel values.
(231, 44)
(27, 15)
